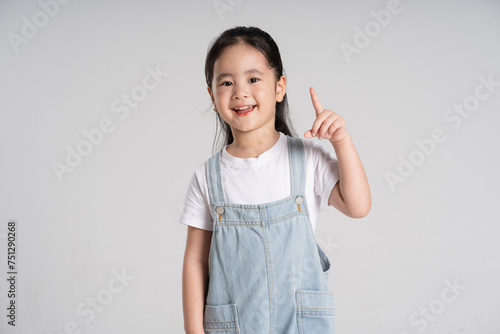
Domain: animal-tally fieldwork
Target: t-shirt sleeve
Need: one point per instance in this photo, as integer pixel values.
(326, 170)
(196, 210)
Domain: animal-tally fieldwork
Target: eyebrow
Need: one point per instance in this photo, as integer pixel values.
(250, 71)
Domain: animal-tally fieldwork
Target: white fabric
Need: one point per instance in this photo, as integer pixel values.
(263, 179)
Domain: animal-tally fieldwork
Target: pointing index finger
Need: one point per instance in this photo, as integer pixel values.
(315, 100)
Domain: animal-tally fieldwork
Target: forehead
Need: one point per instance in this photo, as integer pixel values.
(239, 58)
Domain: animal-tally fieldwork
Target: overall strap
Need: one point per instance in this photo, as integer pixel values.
(297, 159)
(212, 168)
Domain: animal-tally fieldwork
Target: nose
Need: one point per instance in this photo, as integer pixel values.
(240, 91)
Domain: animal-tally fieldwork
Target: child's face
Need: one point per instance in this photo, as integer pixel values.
(242, 78)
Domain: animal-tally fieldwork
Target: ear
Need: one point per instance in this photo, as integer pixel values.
(280, 89)
(211, 96)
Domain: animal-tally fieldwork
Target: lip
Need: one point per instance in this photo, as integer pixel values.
(246, 112)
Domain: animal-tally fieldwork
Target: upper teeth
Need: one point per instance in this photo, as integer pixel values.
(243, 108)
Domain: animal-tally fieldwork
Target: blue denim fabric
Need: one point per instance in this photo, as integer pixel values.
(267, 274)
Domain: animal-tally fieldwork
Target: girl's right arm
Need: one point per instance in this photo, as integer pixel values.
(195, 278)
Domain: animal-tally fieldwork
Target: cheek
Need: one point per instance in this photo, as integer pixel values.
(221, 96)
(265, 94)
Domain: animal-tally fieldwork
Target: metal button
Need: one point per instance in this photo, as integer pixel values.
(299, 200)
(219, 210)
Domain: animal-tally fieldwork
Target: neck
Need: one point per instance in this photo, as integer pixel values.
(252, 144)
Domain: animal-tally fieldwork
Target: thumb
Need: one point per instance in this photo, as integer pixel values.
(308, 134)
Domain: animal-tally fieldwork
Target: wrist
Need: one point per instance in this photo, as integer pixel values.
(339, 143)
(200, 331)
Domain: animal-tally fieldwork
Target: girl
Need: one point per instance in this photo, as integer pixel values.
(251, 263)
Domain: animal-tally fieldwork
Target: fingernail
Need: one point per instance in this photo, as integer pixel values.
(319, 137)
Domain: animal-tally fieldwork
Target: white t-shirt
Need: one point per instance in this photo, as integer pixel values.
(261, 180)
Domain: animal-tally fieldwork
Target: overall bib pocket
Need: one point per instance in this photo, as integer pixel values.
(315, 311)
(222, 319)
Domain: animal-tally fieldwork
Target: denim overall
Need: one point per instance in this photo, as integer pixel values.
(267, 274)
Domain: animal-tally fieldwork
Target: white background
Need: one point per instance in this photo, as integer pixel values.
(118, 209)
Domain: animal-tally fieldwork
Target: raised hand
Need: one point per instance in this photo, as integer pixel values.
(327, 124)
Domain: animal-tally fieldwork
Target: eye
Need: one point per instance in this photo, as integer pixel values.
(226, 83)
(256, 79)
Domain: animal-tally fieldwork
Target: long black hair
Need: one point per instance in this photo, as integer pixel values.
(263, 42)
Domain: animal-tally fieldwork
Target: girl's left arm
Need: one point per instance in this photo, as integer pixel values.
(351, 195)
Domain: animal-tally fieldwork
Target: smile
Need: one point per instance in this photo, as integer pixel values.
(243, 111)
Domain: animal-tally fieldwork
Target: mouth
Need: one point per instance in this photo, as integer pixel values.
(244, 110)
